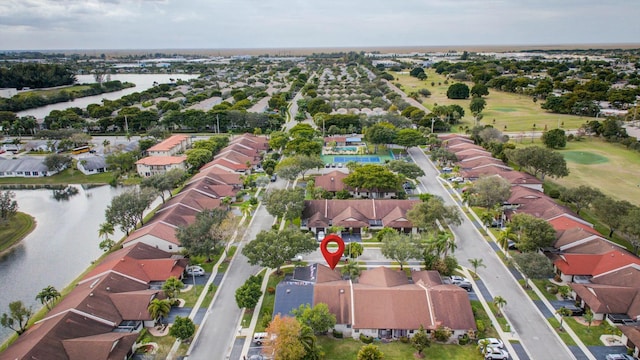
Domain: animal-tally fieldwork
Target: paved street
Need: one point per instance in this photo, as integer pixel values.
(537, 337)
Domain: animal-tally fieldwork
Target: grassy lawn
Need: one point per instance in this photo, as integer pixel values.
(566, 338)
(611, 168)
(516, 112)
(542, 284)
(347, 349)
(590, 335)
(504, 325)
(50, 92)
(68, 176)
(481, 316)
(11, 232)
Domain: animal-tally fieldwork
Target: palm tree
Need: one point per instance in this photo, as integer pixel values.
(352, 269)
(172, 287)
(476, 263)
(105, 230)
(588, 317)
(483, 345)
(353, 250)
(448, 243)
(310, 343)
(48, 296)
(159, 309)
(504, 237)
(226, 201)
(500, 303)
(563, 311)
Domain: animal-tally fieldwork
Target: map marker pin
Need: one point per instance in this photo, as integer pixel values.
(332, 258)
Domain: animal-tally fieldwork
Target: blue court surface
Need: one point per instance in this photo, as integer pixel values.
(361, 159)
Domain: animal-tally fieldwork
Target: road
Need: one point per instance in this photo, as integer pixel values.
(537, 337)
(218, 332)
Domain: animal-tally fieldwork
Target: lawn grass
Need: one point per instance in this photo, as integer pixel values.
(616, 177)
(49, 92)
(566, 338)
(347, 349)
(190, 297)
(504, 324)
(481, 316)
(516, 112)
(269, 299)
(542, 284)
(68, 176)
(590, 335)
(14, 230)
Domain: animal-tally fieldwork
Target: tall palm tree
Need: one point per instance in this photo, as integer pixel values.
(310, 343)
(449, 245)
(352, 269)
(48, 296)
(476, 263)
(159, 309)
(563, 311)
(106, 229)
(500, 303)
(504, 237)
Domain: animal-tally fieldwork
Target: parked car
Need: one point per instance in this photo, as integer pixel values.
(575, 311)
(297, 258)
(447, 169)
(461, 282)
(456, 179)
(619, 357)
(320, 235)
(195, 270)
(495, 353)
(274, 177)
(492, 343)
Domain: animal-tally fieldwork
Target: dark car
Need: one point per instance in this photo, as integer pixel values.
(274, 177)
(575, 311)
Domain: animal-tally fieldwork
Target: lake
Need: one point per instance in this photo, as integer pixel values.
(142, 81)
(63, 244)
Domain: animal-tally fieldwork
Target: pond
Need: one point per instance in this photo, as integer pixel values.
(63, 244)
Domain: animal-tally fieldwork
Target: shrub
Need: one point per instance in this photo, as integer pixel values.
(552, 289)
(404, 339)
(337, 334)
(464, 339)
(554, 193)
(366, 339)
(480, 326)
(271, 290)
(442, 334)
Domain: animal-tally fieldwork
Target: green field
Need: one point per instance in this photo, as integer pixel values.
(506, 111)
(68, 176)
(49, 92)
(13, 231)
(609, 167)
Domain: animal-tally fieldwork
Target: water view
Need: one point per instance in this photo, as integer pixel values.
(142, 81)
(63, 244)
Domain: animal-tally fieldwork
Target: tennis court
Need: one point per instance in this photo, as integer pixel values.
(357, 158)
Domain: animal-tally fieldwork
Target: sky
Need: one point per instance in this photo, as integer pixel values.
(224, 24)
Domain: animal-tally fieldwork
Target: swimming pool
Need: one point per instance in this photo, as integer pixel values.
(345, 148)
(357, 158)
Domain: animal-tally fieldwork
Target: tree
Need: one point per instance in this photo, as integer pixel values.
(399, 247)
(409, 138)
(48, 296)
(588, 317)
(420, 341)
(581, 197)
(278, 140)
(8, 206)
(631, 228)
(17, 318)
(273, 248)
(563, 311)
(286, 203)
(611, 212)
(303, 146)
(533, 233)
(427, 214)
(458, 91)
(196, 158)
(489, 191)
(172, 287)
(374, 178)
(539, 160)
(477, 104)
(283, 338)
(207, 233)
(476, 263)
(351, 269)
(183, 328)
(554, 139)
(248, 295)
(318, 317)
(159, 309)
(164, 182)
(353, 250)
(479, 90)
(407, 169)
(57, 162)
(380, 133)
(370, 352)
(292, 167)
(123, 161)
(127, 209)
(500, 303)
(533, 265)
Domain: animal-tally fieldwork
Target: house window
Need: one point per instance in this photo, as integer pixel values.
(348, 326)
(35, 173)
(27, 173)
(356, 331)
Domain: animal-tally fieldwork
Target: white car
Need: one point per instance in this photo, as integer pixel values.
(320, 235)
(195, 270)
(457, 179)
(619, 357)
(492, 343)
(493, 353)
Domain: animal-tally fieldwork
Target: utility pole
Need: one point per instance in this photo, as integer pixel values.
(433, 120)
(217, 124)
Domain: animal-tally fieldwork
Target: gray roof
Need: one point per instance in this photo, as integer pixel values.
(290, 295)
(93, 162)
(23, 164)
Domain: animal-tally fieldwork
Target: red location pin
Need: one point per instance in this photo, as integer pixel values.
(332, 258)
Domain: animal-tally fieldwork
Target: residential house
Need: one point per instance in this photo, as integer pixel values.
(464, 151)
(332, 182)
(631, 338)
(175, 144)
(535, 203)
(569, 265)
(218, 177)
(511, 176)
(24, 167)
(383, 303)
(93, 164)
(478, 161)
(353, 215)
(155, 165)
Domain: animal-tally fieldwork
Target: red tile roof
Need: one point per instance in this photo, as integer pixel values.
(169, 143)
(161, 160)
(564, 223)
(595, 264)
(355, 213)
(332, 181)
